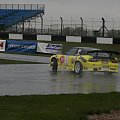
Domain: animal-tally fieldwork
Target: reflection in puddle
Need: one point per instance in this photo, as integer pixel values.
(88, 82)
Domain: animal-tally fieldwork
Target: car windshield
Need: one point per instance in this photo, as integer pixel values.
(71, 51)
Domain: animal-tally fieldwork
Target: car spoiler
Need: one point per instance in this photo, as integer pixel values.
(104, 51)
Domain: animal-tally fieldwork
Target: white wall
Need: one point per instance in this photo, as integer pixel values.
(73, 39)
(104, 40)
(16, 36)
(44, 37)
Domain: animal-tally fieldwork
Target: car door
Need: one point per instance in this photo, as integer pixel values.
(69, 59)
(63, 61)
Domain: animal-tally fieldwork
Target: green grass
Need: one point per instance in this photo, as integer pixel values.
(5, 61)
(57, 107)
(67, 46)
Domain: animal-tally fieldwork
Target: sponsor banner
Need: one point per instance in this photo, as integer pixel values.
(16, 36)
(73, 39)
(44, 37)
(104, 40)
(2, 45)
(21, 46)
(49, 48)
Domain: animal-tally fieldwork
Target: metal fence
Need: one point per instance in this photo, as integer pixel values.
(105, 27)
(91, 27)
(68, 27)
(94, 28)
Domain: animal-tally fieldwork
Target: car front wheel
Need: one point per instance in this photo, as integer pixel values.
(78, 68)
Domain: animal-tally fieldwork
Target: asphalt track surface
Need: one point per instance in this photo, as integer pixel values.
(36, 79)
(24, 58)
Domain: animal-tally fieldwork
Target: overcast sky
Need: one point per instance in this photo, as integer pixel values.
(75, 8)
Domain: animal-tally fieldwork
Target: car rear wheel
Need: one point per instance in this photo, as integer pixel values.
(78, 68)
(54, 65)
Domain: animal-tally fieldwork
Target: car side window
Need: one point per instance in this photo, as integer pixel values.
(78, 52)
(83, 52)
(103, 55)
(93, 54)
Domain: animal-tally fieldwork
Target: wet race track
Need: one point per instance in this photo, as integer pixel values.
(38, 79)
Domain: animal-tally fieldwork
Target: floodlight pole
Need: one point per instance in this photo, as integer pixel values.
(103, 27)
(81, 26)
(23, 26)
(61, 25)
(113, 27)
(41, 24)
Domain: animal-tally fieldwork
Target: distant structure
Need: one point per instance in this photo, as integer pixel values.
(17, 17)
(28, 19)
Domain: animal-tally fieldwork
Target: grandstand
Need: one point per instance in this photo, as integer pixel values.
(16, 14)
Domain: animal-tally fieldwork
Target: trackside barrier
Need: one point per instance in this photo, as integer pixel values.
(79, 39)
(88, 40)
(116, 40)
(71, 38)
(49, 48)
(4, 36)
(2, 45)
(32, 47)
(29, 37)
(58, 38)
(44, 37)
(104, 40)
(16, 36)
(21, 46)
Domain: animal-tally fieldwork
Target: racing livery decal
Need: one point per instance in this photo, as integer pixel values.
(62, 59)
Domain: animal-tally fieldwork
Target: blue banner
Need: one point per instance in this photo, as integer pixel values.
(21, 46)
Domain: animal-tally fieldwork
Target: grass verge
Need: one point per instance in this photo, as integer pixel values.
(57, 107)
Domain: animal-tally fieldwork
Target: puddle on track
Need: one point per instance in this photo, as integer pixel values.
(29, 79)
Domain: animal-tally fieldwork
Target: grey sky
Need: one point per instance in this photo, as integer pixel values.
(75, 8)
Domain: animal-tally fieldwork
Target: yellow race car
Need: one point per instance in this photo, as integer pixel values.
(80, 59)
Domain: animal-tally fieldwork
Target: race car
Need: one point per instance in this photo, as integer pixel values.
(80, 59)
